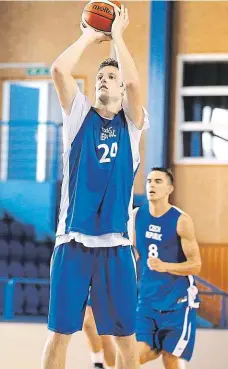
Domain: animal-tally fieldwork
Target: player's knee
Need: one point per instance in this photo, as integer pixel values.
(58, 340)
(145, 353)
(143, 358)
(143, 350)
(169, 360)
(126, 344)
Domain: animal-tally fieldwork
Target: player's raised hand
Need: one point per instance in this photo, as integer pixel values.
(156, 264)
(121, 21)
(96, 36)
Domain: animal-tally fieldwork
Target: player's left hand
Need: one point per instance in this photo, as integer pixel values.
(98, 37)
(156, 264)
(121, 21)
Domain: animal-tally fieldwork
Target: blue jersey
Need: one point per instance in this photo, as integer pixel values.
(101, 157)
(157, 237)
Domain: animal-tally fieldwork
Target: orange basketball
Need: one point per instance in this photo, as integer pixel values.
(100, 15)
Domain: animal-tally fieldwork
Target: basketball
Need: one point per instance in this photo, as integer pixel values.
(100, 15)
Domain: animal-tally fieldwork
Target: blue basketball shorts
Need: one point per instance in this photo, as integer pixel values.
(171, 331)
(108, 274)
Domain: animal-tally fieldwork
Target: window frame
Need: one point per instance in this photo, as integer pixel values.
(42, 83)
(180, 125)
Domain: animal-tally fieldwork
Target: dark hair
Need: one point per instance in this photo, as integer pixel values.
(110, 62)
(167, 171)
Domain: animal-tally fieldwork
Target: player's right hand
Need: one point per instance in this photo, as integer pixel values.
(156, 264)
(121, 21)
(97, 36)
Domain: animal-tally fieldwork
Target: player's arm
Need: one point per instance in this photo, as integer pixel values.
(62, 68)
(128, 69)
(192, 265)
(185, 229)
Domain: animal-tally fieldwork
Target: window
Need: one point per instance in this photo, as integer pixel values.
(202, 109)
(30, 132)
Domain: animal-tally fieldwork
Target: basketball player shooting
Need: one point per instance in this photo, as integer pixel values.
(169, 256)
(101, 156)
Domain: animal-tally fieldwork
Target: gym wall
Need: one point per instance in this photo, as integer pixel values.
(40, 31)
(202, 190)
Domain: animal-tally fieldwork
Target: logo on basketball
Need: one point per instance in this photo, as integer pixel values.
(102, 9)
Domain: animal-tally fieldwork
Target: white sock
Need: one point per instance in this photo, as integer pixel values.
(109, 367)
(97, 357)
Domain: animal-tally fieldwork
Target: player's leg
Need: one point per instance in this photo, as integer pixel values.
(145, 335)
(127, 355)
(54, 353)
(170, 361)
(115, 312)
(119, 360)
(109, 350)
(102, 348)
(178, 340)
(146, 353)
(94, 341)
(69, 286)
(89, 327)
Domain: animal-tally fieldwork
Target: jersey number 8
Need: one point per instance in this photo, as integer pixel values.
(153, 251)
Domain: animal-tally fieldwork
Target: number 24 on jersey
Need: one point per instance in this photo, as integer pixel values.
(108, 152)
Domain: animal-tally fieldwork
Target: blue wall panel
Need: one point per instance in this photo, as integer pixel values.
(159, 79)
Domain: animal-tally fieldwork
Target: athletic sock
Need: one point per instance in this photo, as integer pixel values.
(97, 358)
